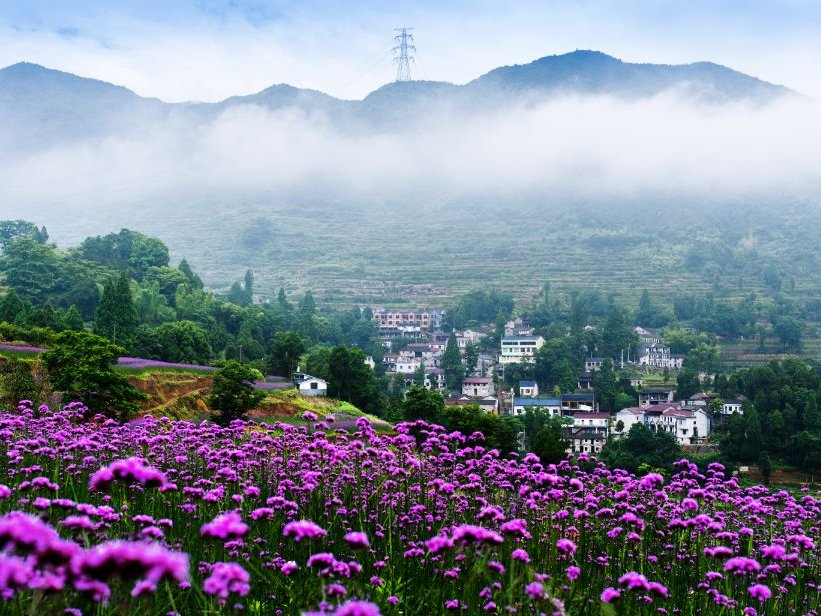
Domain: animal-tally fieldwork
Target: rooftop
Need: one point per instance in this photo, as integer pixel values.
(536, 402)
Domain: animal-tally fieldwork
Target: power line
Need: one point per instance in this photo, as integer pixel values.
(404, 45)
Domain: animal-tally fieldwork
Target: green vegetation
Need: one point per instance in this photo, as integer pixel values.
(233, 393)
(81, 367)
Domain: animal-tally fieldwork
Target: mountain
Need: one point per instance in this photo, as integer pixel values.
(593, 72)
(41, 107)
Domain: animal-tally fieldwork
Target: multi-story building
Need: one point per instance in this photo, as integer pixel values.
(520, 349)
(688, 425)
(427, 320)
(655, 395)
(571, 403)
(553, 406)
(659, 356)
(588, 432)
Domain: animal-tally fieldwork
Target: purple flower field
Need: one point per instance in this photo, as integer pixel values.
(171, 517)
(21, 348)
(138, 363)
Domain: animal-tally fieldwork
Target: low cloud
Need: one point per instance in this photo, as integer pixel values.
(594, 147)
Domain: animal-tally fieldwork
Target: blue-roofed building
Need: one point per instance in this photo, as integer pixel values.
(528, 389)
(551, 405)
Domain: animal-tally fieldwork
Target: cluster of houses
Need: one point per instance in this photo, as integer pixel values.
(586, 428)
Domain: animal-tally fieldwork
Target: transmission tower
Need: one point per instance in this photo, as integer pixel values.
(404, 44)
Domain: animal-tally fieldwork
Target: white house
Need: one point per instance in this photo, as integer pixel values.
(628, 417)
(687, 425)
(647, 335)
(551, 405)
(520, 349)
(528, 389)
(588, 433)
(310, 385)
(434, 378)
(659, 356)
(477, 386)
(731, 406)
(592, 364)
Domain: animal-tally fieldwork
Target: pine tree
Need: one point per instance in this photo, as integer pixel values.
(249, 287)
(645, 315)
(282, 300)
(452, 363)
(13, 307)
(73, 320)
(307, 306)
(116, 317)
(194, 280)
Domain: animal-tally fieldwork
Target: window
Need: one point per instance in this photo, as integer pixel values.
(314, 385)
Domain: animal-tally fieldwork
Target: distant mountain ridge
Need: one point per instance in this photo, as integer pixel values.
(40, 106)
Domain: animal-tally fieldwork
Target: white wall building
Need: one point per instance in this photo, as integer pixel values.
(659, 356)
(520, 349)
(687, 425)
(477, 386)
(731, 406)
(528, 389)
(588, 433)
(310, 385)
(553, 406)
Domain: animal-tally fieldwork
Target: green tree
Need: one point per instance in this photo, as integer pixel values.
(471, 358)
(352, 380)
(606, 387)
(642, 447)
(73, 320)
(687, 384)
(421, 403)
(46, 316)
(233, 393)
(646, 312)
(116, 317)
(452, 364)
(17, 383)
(13, 309)
(617, 335)
(183, 341)
(549, 446)
(307, 306)
(194, 280)
(789, 331)
(32, 269)
(282, 300)
(11, 230)
(81, 366)
(128, 251)
(286, 349)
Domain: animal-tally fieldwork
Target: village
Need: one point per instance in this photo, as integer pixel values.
(419, 361)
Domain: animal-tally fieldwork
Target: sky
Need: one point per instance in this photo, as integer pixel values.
(207, 50)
